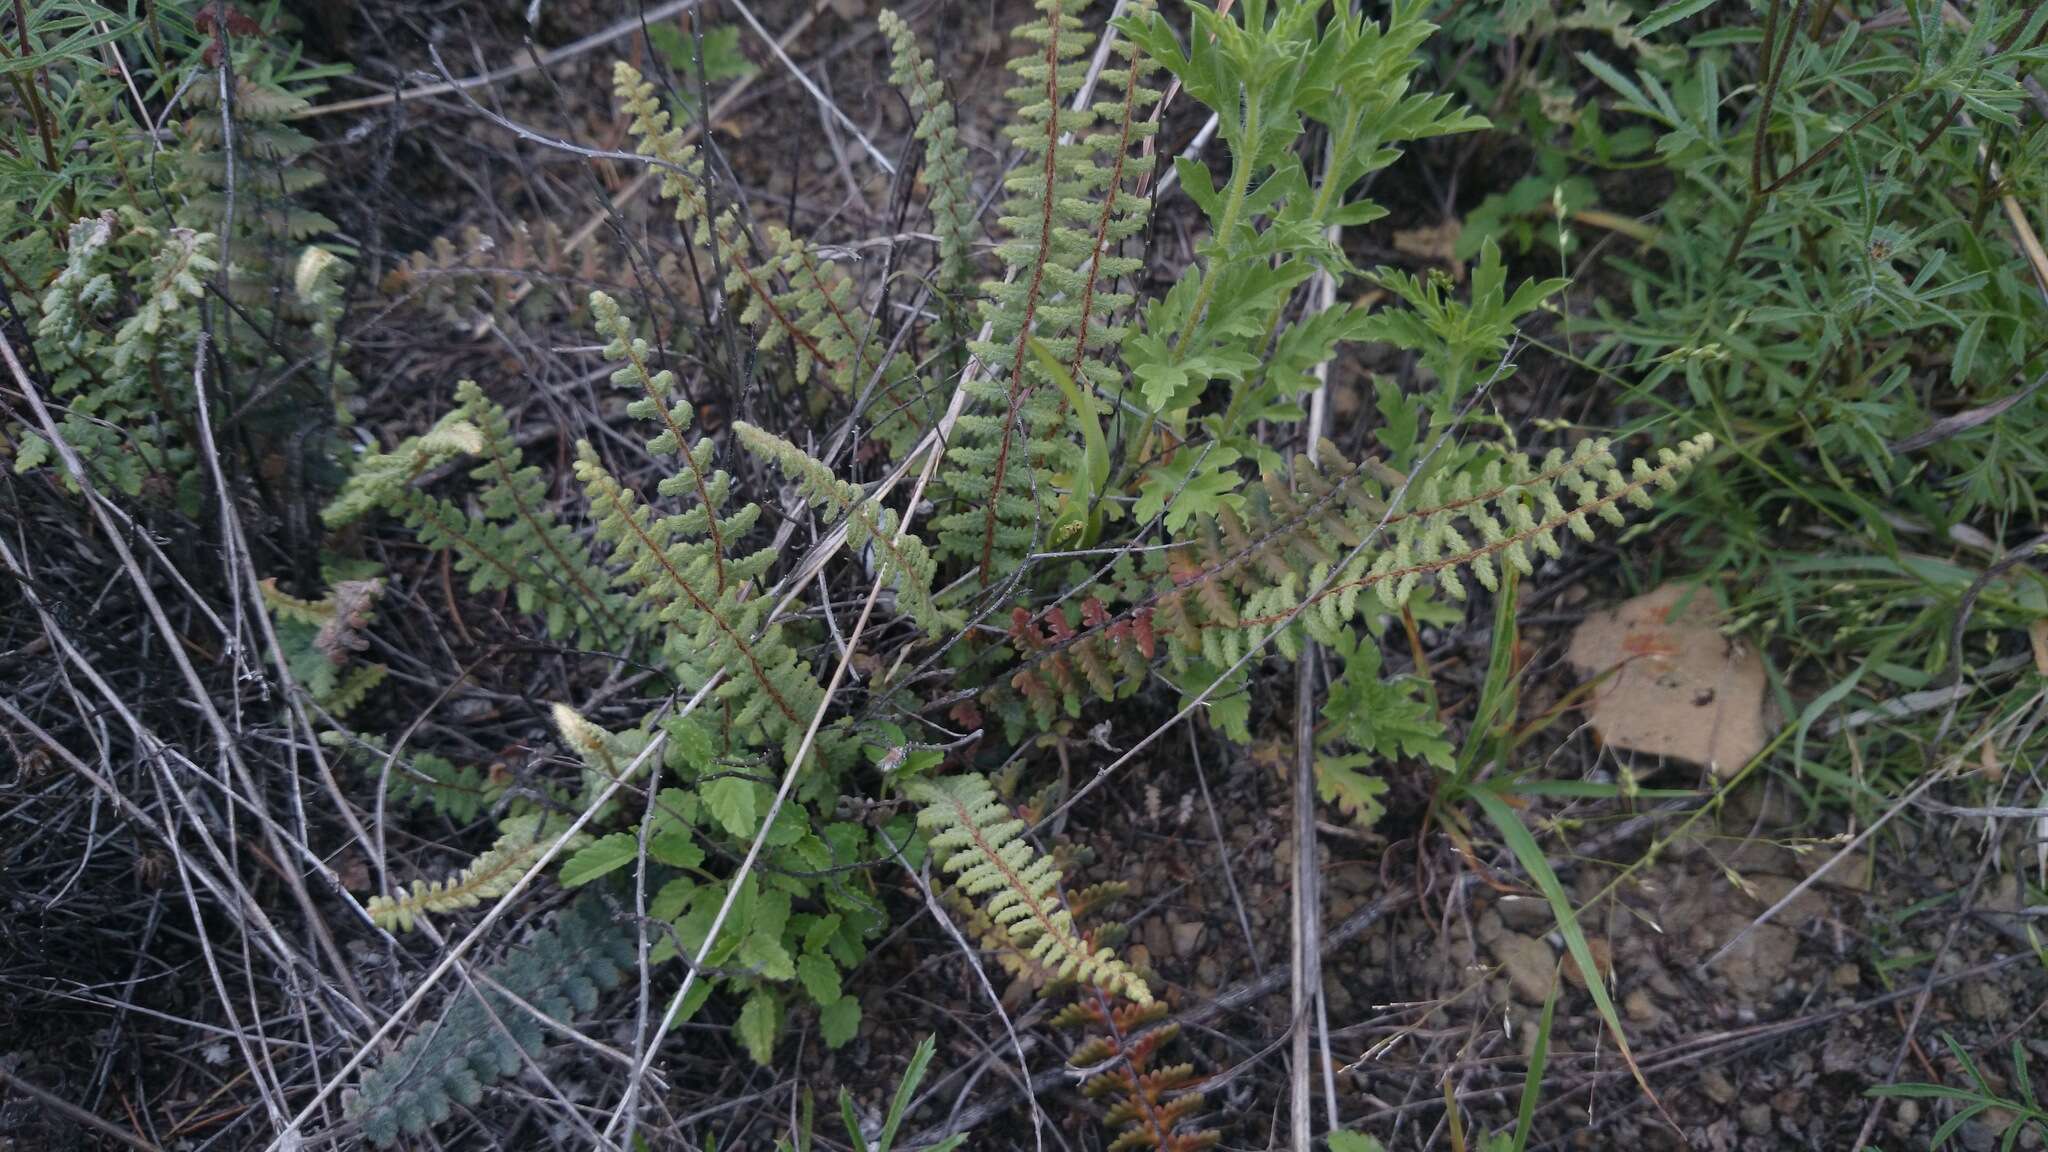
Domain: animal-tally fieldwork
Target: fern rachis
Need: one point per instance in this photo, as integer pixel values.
(975, 836)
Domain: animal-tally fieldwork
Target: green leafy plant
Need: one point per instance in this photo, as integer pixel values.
(1977, 1096)
(120, 252)
(1085, 418)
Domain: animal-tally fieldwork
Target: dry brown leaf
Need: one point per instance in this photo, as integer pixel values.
(1675, 685)
(1438, 243)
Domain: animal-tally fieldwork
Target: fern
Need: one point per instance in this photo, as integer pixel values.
(1152, 1106)
(1298, 551)
(521, 841)
(1030, 971)
(976, 837)
(119, 323)
(1111, 657)
(459, 792)
(677, 569)
(947, 180)
(1292, 556)
(321, 637)
(486, 1034)
(242, 172)
(906, 563)
(1072, 202)
(512, 540)
(792, 297)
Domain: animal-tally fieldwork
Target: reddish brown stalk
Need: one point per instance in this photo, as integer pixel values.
(1116, 185)
(660, 403)
(746, 650)
(1017, 389)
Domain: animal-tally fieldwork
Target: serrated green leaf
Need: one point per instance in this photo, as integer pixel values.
(689, 746)
(604, 855)
(735, 803)
(838, 1021)
(760, 1019)
(676, 848)
(820, 978)
(672, 898)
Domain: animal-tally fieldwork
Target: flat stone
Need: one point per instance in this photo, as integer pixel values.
(1528, 964)
(1984, 1000)
(1763, 958)
(1525, 913)
(1717, 1086)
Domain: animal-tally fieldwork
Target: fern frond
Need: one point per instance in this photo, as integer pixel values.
(790, 296)
(521, 840)
(1072, 202)
(380, 479)
(906, 563)
(975, 837)
(947, 179)
(1153, 1106)
(319, 640)
(1249, 572)
(555, 574)
(669, 568)
(1241, 573)
(459, 792)
(1110, 657)
(486, 1034)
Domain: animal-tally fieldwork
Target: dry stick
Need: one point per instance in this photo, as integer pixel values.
(796, 761)
(148, 743)
(824, 101)
(1308, 905)
(73, 1112)
(224, 741)
(719, 107)
(553, 56)
(1307, 916)
(291, 1136)
(1308, 880)
(242, 579)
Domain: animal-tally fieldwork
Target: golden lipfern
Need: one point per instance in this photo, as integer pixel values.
(975, 837)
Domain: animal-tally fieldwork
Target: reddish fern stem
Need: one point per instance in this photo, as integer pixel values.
(1017, 389)
(746, 650)
(683, 449)
(1116, 185)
